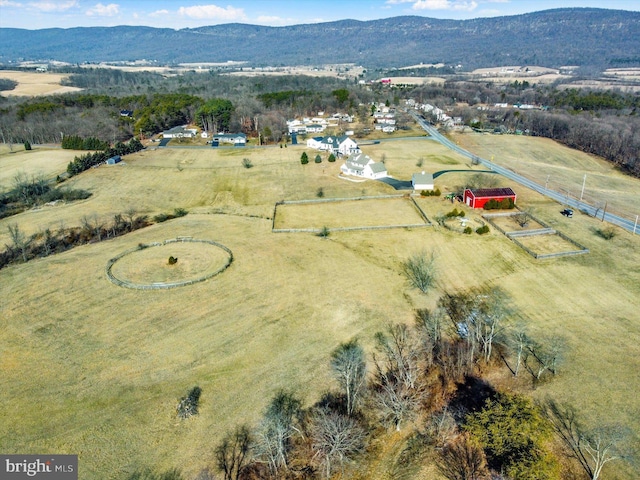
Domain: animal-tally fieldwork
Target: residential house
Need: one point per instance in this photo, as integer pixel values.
(342, 145)
(361, 165)
(180, 132)
(236, 139)
(422, 181)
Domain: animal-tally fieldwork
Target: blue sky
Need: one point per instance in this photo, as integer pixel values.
(35, 14)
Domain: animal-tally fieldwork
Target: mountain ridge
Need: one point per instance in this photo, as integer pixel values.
(563, 36)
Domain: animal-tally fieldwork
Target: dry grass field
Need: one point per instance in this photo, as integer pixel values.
(35, 83)
(348, 214)
(46, 162)
(95, 369)
(150, 265)
(546, 244)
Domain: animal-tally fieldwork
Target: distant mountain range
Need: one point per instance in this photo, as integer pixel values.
(572, 36)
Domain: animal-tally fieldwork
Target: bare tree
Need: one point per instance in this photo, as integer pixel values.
(401, 353)
(522, 219)
(441, 427)
(594, 449)
(398, 387)
(19, 239)
(394, 402)
(335, 439)
(478, 317)
(420, 271)
(462, 459)
(350, 369)
(428, 325)
(519, 342)
(232, 453)
(131, 215)
(545, 355)
(273, 436)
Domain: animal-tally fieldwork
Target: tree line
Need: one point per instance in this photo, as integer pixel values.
(84, 162)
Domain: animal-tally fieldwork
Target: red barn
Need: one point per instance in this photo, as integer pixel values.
(477, 197)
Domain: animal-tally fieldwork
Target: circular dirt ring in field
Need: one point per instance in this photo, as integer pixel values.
(147, 266)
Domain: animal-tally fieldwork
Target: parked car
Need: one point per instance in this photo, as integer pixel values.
(567, 212)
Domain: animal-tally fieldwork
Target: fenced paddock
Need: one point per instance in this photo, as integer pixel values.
(146, 267)
(536, 238)
(342, 214)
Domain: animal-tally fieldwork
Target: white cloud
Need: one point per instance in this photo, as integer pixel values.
(159, 13)
(456, 5)
(212, 12)
(100, 10)
(48, 6)
(7, 3)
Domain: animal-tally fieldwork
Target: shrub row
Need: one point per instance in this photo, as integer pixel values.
(506, 204)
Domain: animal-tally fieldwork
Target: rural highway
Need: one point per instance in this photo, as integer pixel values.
(557, 196)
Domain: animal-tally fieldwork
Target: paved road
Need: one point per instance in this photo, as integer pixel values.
(557, 196)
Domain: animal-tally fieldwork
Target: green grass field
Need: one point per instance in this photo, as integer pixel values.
(95, 369)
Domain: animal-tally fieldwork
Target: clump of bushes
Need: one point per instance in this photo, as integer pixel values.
(468, 230)
(482, 230)
(172, 260)
(455, 213)
(163, 217)
(246, 163)
(332, 158)
(318, 159)
(188, 406)
(304, 158)
(506, 204)
(606, 233)
(431, 193)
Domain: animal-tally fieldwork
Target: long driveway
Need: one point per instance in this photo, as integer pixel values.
(557, 196)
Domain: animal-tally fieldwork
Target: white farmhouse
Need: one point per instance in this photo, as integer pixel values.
(361, 165)
(337, 145)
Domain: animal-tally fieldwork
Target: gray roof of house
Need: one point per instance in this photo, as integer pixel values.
(422, 177)
(359, 159)
(378, 167)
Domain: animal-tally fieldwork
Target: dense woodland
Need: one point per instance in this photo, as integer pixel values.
(604, 123)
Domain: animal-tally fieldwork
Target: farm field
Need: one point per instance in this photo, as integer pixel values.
(348, 214)
(46, 162)
(95, 369)
(35, 83)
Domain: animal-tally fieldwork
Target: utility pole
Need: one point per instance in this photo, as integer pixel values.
(635, 225)
(546, 184)
(584, 181)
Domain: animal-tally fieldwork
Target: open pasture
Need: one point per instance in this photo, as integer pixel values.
(367, 212)
(95, 369)
(45, 162)
(31, 84)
